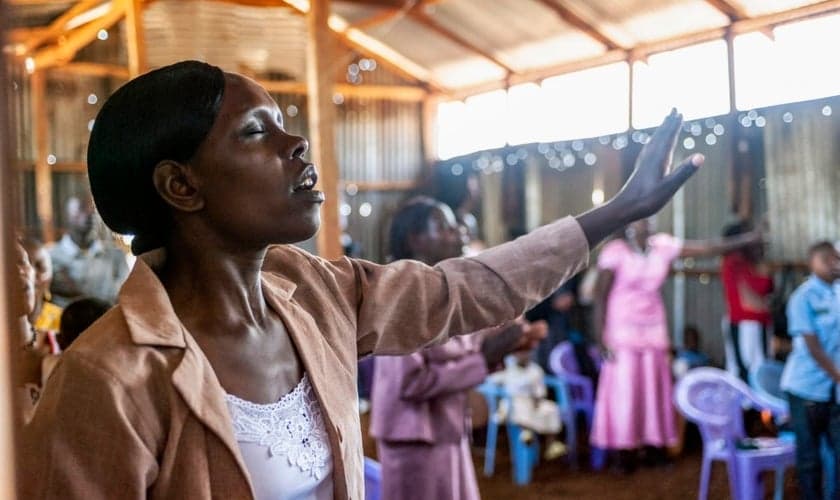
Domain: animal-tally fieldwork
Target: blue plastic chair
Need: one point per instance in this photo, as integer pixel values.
(524, 456)
(765, 379)
(575, 395)
(373, 479)
(714, 400)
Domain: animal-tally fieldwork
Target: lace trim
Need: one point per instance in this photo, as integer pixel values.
(292, 427)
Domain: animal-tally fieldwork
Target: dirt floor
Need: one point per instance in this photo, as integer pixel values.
(557, 480)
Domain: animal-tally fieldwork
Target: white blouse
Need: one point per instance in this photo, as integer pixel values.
(284, 445)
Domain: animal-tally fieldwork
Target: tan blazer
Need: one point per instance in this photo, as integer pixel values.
(134, 409)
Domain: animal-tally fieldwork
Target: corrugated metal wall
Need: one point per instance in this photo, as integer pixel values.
(803, 178)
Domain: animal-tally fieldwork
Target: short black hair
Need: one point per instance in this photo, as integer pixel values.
(77, 317)
(411, 218)
(820, 247)
(162, 115)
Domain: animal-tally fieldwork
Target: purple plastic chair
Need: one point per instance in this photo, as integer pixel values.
(577, 391)
(715, 400)
(373, 479)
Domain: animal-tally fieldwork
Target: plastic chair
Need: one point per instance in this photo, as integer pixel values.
(523, 455)
(765, 379)
(714, 400)
(373, 479)
(578, 395)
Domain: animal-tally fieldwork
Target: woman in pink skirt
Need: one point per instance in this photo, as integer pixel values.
(633, 406)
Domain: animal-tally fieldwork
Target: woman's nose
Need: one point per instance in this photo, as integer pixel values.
(296, 147)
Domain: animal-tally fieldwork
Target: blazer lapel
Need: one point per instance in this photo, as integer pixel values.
(196, 382)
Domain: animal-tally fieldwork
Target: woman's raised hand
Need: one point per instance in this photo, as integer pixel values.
(651, 185)
(653, 181)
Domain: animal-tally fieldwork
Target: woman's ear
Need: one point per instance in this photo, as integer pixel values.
(178, 186)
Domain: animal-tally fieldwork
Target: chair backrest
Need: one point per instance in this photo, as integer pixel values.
(562, 360)
(714, 400)
(765, 379)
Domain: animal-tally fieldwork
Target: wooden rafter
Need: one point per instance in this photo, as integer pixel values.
(575, 20)
(368, 46)
(430, 23)
(404, 93)
(726, 7)
(93, 69)
(59, 26)
(73, 41)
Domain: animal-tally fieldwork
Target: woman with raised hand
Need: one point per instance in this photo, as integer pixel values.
(228, 367)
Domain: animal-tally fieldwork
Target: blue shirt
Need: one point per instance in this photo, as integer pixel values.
(813, 309)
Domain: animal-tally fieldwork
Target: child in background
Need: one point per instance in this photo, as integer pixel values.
(812, 372)
(524, 381)
(76, 318)
(690, 357)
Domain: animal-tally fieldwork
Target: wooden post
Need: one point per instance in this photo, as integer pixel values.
(43, 170)
(10, 343)
(429, 131)
(136, 41)
(319, 81)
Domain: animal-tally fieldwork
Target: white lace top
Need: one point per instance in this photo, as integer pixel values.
(284, 445)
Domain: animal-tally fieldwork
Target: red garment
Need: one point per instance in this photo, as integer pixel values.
(735, 269)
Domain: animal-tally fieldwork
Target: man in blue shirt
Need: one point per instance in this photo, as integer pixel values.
(812, 371)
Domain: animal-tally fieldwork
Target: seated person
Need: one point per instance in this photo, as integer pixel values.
(524, 380)
(689, 356)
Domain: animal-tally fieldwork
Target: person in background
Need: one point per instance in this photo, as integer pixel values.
(633, 407)
(76, 318)
(45, 315)
(531, 409)
(28, 366)
(690, 356)
(84, 266)
(462, 193)
(747, 286)
(419, 414)
(557, 310)
(812, 371)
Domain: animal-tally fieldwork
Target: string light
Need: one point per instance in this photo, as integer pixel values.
(291, 111)
(597, 197)
(787, 117)
(760, 122)
(92, 99)
(826, 111)
(351, 189)
(365, 209)
(711, 139)
(338, 99)
(346, 209)
(688, 143)
(102, 35)
(51, 160)
(457, 169)
(29, 64)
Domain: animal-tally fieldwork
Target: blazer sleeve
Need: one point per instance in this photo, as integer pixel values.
(423, 380)
(82, 409)
(400, 307)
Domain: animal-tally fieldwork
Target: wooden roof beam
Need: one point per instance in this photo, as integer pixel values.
(726, 7)
(58, 26)
(429, 22)
(369, 46)
(572, 18)
(70, 43)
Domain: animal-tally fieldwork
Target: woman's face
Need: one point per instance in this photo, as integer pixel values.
(256, 187)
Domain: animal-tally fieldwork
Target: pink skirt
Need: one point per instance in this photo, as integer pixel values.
(634, 407)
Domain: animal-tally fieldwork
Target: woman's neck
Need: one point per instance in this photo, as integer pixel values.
(214, 288)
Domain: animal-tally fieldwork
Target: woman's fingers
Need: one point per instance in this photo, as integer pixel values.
(680, 175)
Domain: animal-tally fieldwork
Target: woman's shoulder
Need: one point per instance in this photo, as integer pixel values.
(107, 347)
